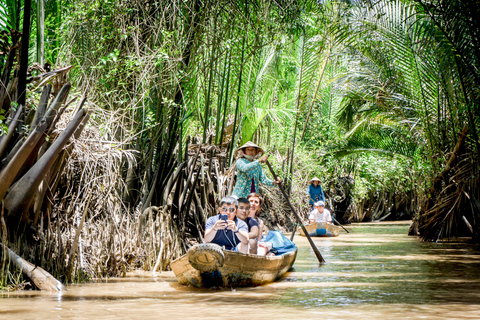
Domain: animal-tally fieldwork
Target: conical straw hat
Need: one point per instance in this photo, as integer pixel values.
(315, 179)
(250, 144)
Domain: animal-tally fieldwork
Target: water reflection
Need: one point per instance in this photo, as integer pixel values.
(376, 271)
(379, 264)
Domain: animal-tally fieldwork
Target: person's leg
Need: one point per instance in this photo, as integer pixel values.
(253, 246)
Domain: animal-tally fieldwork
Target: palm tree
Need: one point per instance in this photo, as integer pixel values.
(407, 91)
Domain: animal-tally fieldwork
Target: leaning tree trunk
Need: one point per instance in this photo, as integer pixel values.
(20, 196)
(9, 173)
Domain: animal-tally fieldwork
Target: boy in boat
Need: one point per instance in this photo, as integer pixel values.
(242, 213)
(320, 214)
(225, 229)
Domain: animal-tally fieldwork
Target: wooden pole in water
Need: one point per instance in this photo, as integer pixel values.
(299, 221)
(340, 225)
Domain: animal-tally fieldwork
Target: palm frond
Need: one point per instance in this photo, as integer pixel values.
(380, 137)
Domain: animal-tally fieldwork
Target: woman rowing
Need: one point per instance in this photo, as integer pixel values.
(249, 170)
(315, 192)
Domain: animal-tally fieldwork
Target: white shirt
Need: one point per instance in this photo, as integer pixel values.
(316, 216)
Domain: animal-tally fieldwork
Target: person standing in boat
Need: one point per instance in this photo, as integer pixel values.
(242, 213)
(315, 192)
(225, 229)
(256, 202)
(249, 170)
(320, 214)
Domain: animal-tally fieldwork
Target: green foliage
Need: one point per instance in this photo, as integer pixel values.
(358, 83)
(3, 126)
(9, 15)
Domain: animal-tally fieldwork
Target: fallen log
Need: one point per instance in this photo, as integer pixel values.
(40, 278)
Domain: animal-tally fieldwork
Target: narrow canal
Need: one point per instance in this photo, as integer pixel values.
(374, 272)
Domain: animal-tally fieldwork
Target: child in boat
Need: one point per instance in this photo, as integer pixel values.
(225, 229)
(320, 214)
(242, 213)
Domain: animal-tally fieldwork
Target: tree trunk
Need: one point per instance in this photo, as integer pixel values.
(9, 173)
(4, 140)
(42, 105)
(21, 194)
(40, 31)
(22, 75)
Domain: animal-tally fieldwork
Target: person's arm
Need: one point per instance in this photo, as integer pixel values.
(242, 236)
(242, 233)
(244, 165)
(211, 229)
(264, 179)
(328, 217)
(260, 229)
(253, 232)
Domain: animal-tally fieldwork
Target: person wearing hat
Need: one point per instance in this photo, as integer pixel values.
(320, 214)
(249, 170)
(315, 192)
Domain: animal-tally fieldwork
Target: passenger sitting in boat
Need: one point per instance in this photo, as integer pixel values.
(225, 229)
(242, 213)
(255, 206)
(320, 214)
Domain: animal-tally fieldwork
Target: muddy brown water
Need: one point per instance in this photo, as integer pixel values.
(374, 272)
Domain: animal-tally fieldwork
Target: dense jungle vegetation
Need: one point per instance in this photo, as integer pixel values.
(143, 103)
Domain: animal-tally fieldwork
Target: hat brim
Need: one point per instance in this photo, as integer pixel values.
(250, 144)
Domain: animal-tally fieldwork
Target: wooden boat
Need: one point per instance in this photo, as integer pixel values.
(208, 265)
(320, 229)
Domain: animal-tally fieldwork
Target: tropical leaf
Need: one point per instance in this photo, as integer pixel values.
(380, 137)
(8, 15)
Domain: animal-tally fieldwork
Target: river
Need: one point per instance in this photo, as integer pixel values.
(374, 272)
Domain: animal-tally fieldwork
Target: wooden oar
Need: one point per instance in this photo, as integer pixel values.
(340, 225)
(299, 221)
(293, 232)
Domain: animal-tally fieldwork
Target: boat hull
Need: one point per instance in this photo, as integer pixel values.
(238, 270)
(320, 229)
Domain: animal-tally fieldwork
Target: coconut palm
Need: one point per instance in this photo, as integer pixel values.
(406, 89)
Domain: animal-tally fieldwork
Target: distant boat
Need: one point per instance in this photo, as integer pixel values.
(320, 229)
(208, 265)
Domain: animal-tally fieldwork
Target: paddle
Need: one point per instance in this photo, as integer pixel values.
(299, 221)
(293, 233)
(340, 225)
